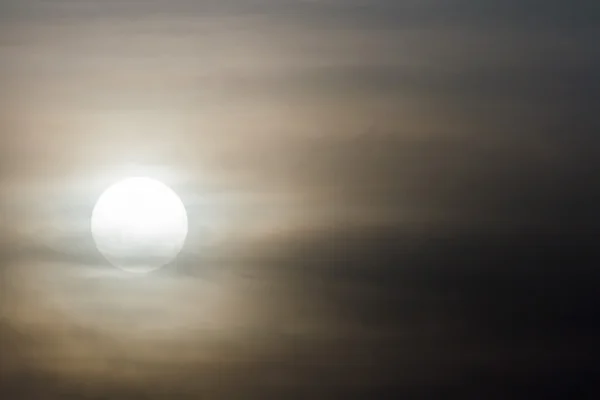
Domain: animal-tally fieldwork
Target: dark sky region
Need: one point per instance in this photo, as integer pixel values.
(387, 198)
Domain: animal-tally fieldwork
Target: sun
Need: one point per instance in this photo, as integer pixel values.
(139, 224)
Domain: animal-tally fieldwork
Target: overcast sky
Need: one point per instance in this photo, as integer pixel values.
(376, 191)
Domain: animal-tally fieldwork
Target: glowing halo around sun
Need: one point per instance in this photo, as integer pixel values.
(139, 224)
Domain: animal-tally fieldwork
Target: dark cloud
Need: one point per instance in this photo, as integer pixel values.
(385, 197)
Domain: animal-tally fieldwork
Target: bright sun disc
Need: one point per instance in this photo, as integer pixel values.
(139, 224)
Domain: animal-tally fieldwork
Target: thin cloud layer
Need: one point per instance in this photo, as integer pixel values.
(385, 197)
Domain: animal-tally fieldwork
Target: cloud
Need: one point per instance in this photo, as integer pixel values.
(402, 195)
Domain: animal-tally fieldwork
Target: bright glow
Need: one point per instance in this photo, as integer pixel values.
(139, 224)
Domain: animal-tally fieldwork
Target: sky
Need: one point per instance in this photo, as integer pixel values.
(384, 198)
